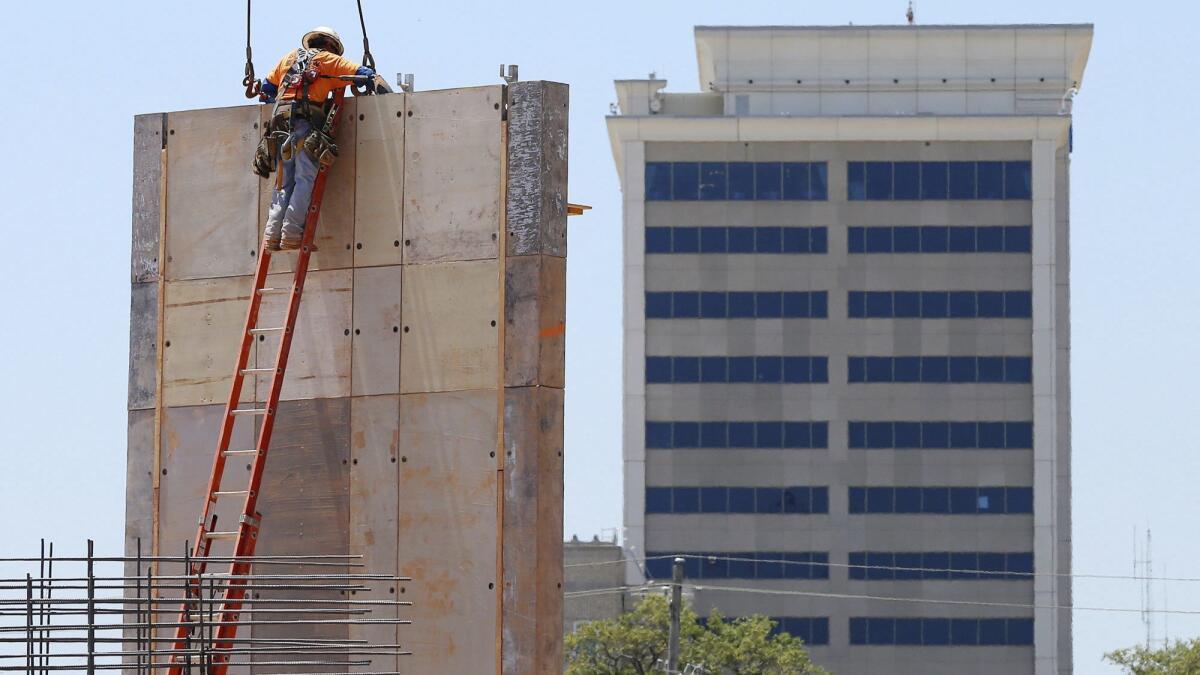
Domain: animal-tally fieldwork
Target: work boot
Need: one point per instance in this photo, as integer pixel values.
(272, 244)
(289, 244)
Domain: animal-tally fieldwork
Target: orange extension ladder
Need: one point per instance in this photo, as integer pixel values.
(245, 536)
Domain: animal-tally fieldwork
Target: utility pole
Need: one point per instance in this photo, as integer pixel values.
(676, 610)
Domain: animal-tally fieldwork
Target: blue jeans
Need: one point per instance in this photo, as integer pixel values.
(289, 204)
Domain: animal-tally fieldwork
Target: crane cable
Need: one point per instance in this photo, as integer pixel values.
(368, 60)
(252, 85)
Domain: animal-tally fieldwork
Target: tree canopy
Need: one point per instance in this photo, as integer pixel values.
(1181, 657)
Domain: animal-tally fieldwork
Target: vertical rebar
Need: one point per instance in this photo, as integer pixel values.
(41, 596)
(150, 612)
(137, 610)
(91, 608)
(29, 660)
(49, 596)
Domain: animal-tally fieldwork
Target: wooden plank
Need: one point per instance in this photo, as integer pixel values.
(374, 506)
(212, 196)
(203, 324)
(375, 347)
(139, 499)
(319, 363)
(449, 338)
(379, 187)
(452, 174)
(147, 173)
(533, 521)
(447, 530)
(536, 204)
(143, 344)
(535, 321)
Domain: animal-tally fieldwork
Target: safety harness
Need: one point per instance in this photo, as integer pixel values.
(274, 144)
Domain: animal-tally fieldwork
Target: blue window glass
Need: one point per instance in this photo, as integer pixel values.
(879, 180)
(907, 434)
(818, 181)
(713, 369)
(768, 565)
(935, 239)
(797, 435)
(686, 369)
(990, 176)
(908, 500)
(935, 500)
(741, 181)
(856, 304)
(964, 632)
(991, 566)
(906, 239)
(935, 304)
(934, 180)
(795, 180)
(795, 305)
(767, 180)
(858, 630)
(820, 434)
(879, 369)
(768, 304)
(820, 630)
(935, 564)
(881, 500)
(714, 184)
(797, 369)
(714, 500)
(991, 368)
(879, 304)
(658, 369)
(796, 240)
(908, 631)
(991, 435)
(1018, 180)
(879, 435)
(658, 181)
(991, 304)
(797, 500)
(658, 240)
(768, 434)
(992, 631)
(658, 500)
(906, 304)
(962, 305)
(1018, 435)
(879, 566)
(962, 239)
(907, 180)
(879, 240)
(768, 239)
(964, 500)
(741, 305)
(714, 434)
(712, 567)
(964, 564)
(1018, 304)
(741, 435)
(935, 632)
(1018, 500)
(856, 240)
(820, 504)
(741, 566)
(856, 181)
(906, 369)
(962, 180)
(856, 369)
(658, 305)
(741, 369)
(741, 500)
(819, 301)
(768, 500)
(713, 240)
(686, 434)
(962, 369)
(856, 433)
(908, 566)
(881, 631)
(935, 369)
(685, 500)
(741, 240)
(818, 239)
(768, 369)
(1018, 239)
(1018, 369)
(858, 500)
(1019, 566)
(658, 434)
(989, 239)
(685, 240)
(1020, 631)
(686, 304)
(798, 566)
(658, 567)
(686, 182)
(857, 561)
(713, 305)
(935, 435)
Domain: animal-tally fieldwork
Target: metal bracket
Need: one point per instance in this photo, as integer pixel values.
(511, 77)
(405, 82)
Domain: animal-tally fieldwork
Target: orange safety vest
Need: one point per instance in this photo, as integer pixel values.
(326, 63)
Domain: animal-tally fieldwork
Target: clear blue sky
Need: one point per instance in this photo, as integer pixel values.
(80, 71)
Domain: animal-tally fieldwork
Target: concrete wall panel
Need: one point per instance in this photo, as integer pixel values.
(375, 346)
(319, 363)
(143, 345)
(449, 337)
(379, 187)
(202, 329)
(536, 206)
(147, 198)
(535, 321)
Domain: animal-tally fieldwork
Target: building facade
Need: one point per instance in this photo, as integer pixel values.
(846, 358)
(591, 569)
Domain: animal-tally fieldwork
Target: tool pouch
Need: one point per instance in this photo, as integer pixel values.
(320, 146)
(266, 156)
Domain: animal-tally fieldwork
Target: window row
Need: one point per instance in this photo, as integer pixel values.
(771, 239)
(938, 369)
(813, 630)
(938, 180)
(940, 239)
(953, 500)
(939, 304)
(737, 305)
(664, 435)
(733, 369)
(737, 181)
(954, 435)
(751, 565)
(795, 499)
(931, 565)
(941, 632)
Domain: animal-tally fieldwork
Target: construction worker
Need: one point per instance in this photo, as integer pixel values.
(302, 81)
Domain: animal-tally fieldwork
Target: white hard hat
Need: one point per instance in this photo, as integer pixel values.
(325, 32)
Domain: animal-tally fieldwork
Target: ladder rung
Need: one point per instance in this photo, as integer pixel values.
(235, 453)
(259, 331)
(252, 371)
(272, 291)
(221, 535)
(223, 493)
(249, 411)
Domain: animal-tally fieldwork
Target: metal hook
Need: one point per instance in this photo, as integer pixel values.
(405, 82)
(512, 73)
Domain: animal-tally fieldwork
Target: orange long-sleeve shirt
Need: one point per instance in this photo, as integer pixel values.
(326, 63)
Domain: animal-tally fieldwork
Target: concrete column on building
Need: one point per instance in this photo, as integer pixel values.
(633, 376)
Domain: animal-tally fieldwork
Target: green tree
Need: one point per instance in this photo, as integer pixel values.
(636, 644)
(1181, 657)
